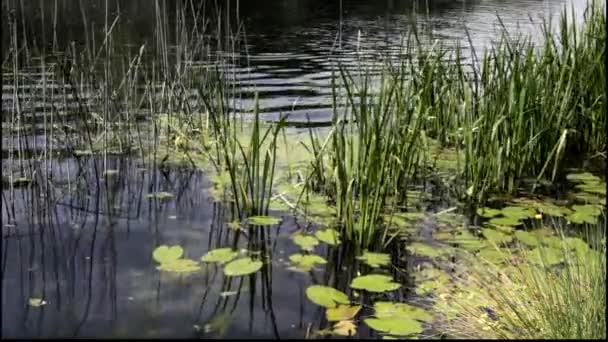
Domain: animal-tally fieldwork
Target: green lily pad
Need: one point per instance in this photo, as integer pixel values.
(505, 221)
(329, 236)
(306, 242)
(179, 266)
(422, 249)
(400, 310)
(433, 279)
(553, 210)
(488, 212)
(162, 195)
(495, 236)
(164, 254)
(546, 256)
(342, 312)
(36, 302)
(326, 296)
(585, 213)
(494, 256)
(375, 259)
(527, 238)
(518, 212)
(395, 326)
(242, 266)
(586, 197)
(595, 188)
(263, 220)
(582, 177)
(220, 255)
(306, 262)
(468, 241)
(374, 283)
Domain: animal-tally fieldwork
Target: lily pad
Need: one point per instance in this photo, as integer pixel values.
(242, 266)
(179, 266)
(263, 220)
(36, 302)
(584, 213)
(326, 296)
(546, 256)
(469, 241)
(375, 259)
(374, 283)
(162, 195)
(306, 262)
(345, 328)
(395, 326)
(596, 188)
(518, 212)
(488, 212)
(495, 236)
(342, 312)
(306, 242)
(582, 177)
(422, 249)
(553, 210)
(494, 256)
(400, 310)
(164, 254)
(527, 238)
(220, 255)
(329, 236)
(505, 221)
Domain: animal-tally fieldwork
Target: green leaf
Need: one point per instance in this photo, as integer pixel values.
(553, 210)
(375, 259)
(263, 220)
(488, 212)
(306, 262)
(325, 296)
(179, 266)
(400, 310)
(494, 256)
(164, 253)
(518, 212)
(242, 266)
(469, 241)
(36, 302)
(220, 255)
(395, 326)
(342, 312)
(374, 283)
(505, 221)
(596, 188)
(546, 256)
(495, 236)
(329, 236)
(585, 213)
(306, 242)
(422, 249)
(582, 177)
(527, 238)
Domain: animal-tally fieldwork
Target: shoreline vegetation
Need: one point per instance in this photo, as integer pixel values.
(514, 143)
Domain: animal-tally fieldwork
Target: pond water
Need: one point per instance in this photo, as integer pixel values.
(86, 247)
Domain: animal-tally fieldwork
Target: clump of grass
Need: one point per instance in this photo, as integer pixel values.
(531, 299)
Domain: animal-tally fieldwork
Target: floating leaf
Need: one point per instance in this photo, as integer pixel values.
(400, 310)
(395, 326)
(505, 221)
(179, 266)
(553, 210)
(263, 220)
(584, 213)
(329, 236)
(220, 255)
(345, 328)
(342, 312)
(325, 296)
(306, 242)
(589, 198)
(518, 212)
(37, 302)
(422, 249)
(527, 238)
(582, 177)
(306, 262)
(488, 212)
(495, 236)
(162, 195)
(375, 259)
(242, 266)
(546, 256)
(494, 256)
(469, 241)
(164, 253)
(374, 283)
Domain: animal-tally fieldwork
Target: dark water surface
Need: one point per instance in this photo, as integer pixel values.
(89, 255)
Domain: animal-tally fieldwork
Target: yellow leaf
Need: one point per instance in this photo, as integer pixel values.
(345, 328)
(342, 312)
(538, 216)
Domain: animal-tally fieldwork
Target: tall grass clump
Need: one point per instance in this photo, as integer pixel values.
(532, 297)
(536, 105)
